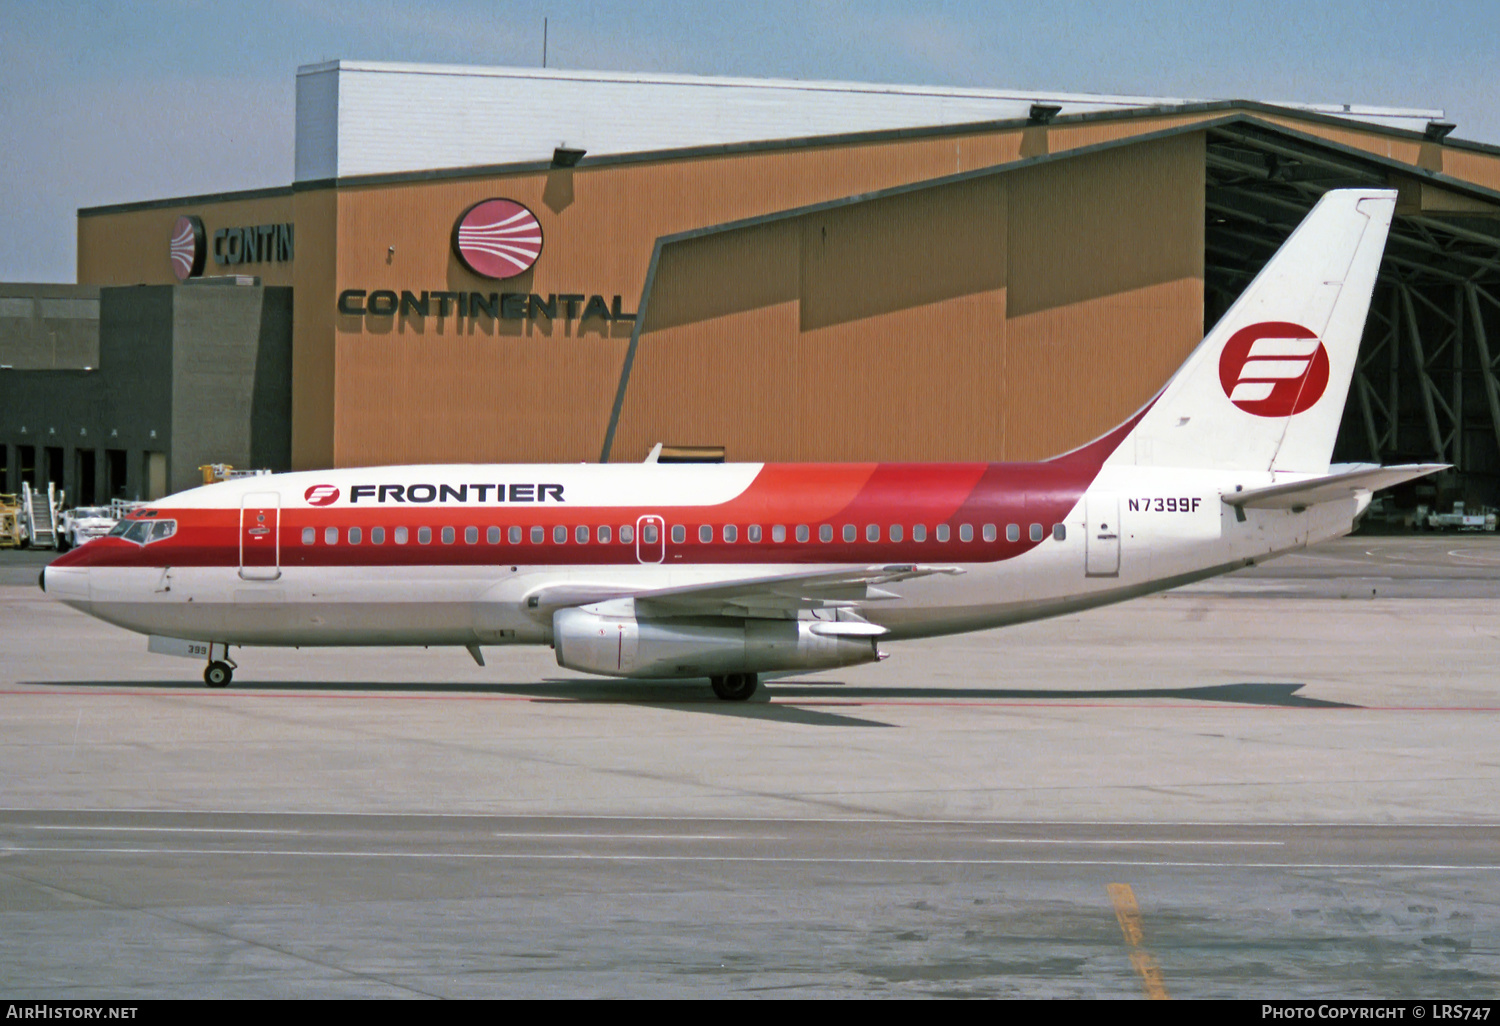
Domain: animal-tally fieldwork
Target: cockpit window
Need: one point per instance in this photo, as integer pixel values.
(144, 532)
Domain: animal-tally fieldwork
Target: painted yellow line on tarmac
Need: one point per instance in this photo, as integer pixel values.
(1128, 912)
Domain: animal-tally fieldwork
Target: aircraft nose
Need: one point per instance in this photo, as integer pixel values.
(68, 584)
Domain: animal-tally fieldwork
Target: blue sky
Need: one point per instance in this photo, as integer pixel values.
(107, 103)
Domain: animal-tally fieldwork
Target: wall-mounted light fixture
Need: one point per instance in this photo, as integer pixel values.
(1043, 113)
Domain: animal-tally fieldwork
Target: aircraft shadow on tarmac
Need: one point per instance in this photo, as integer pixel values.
(790, 697)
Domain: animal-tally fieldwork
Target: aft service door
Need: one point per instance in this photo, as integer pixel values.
(260, 536)
(650, 539)
(1102, 535)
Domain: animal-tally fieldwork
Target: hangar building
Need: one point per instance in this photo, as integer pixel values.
(521, 265)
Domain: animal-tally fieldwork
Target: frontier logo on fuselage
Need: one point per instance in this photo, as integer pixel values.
(321, 495)
(482, 493)
(1274, 369)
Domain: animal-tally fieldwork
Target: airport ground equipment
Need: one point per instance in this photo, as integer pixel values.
(39, 513)
(12, 536)
(1463, 519)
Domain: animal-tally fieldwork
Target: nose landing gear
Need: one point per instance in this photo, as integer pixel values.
(219, 673)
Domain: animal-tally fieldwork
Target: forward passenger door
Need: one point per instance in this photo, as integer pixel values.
(260, 536)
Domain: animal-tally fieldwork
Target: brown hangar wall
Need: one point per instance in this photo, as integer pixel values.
(1009, 316)
(129, 246)
(1060, 273)
(410, 389)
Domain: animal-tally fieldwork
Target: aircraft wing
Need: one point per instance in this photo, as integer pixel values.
(776, 596)
(785, 594)
(1330, 488)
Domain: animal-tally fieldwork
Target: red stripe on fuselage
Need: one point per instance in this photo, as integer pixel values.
(790, 495)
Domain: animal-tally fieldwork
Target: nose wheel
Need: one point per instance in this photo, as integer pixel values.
(218, 674)
(735, 687)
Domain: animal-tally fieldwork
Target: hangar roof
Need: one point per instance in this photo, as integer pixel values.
(1313, 118)
(357, 118)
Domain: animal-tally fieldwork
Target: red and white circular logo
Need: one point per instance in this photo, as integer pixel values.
(497, 238)
(1274, 369)
(187, 247)
(321, 495)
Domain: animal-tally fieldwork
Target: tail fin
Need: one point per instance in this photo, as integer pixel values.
(1266, 389)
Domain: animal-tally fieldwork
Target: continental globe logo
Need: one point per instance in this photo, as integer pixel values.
(188, 247)
(497, 238)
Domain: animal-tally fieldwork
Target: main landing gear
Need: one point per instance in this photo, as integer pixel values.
(735, 687)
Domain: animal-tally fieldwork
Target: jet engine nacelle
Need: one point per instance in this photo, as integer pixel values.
(624, 646)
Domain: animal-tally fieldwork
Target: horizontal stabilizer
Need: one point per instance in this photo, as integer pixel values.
(1331, 488)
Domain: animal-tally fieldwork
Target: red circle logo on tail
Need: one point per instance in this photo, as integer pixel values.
(1274, 369)
(498, 238)
(321, 495)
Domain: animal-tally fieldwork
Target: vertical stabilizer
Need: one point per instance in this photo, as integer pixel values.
(1266, 389)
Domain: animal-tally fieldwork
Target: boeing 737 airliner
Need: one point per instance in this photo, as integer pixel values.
(733, 571)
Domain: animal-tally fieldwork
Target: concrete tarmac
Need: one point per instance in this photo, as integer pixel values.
(1291, 771)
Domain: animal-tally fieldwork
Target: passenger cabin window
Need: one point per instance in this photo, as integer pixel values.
(400, 536)
(559, 535)
(1060, 532)
(825, 533)
(377, 536)
(896, 532)
(731, 533)
(942, 532)
(1012, 532)
(492, 536)
(778, 533)
(538, 535)
(309, 535)
(872, 532)
(705, 534)
(802, 533)
(355, 536)
(966, 532)
(850, 532)
(513, 534)
(330, 536)
(752, 533)
(424, 536)
(989, 532)
(627, 534)
(602, 534)
(1036, 532)
(918, 532)
(581, 534)
(679, 534)
(449, 535)
(471, 536)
